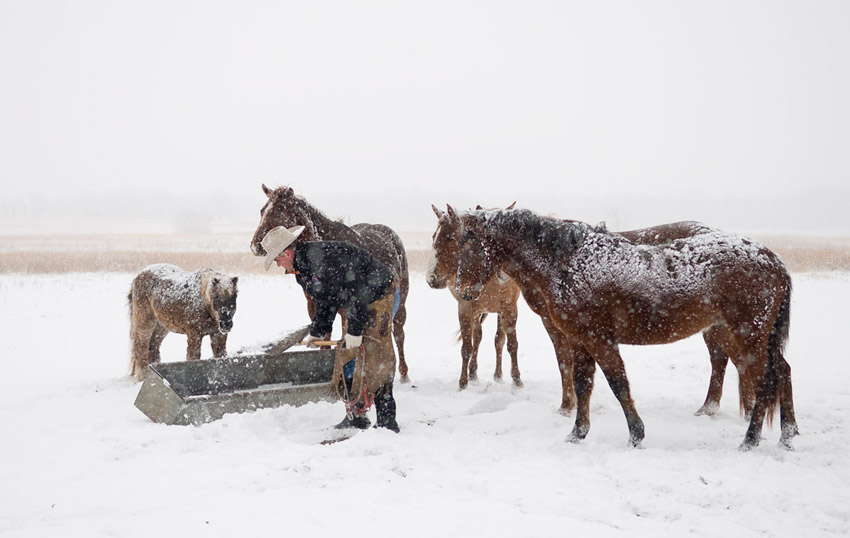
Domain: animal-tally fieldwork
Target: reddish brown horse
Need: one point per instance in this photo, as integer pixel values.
(284, 208)
(601, 290)
(499, 296)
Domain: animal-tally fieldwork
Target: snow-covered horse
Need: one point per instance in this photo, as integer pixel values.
(163, 298)
(601, 290)
(499, 296)
(284, 208)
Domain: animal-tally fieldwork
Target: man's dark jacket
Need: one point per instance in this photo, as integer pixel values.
(340, 276)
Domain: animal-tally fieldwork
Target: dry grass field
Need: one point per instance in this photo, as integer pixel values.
(229, 253)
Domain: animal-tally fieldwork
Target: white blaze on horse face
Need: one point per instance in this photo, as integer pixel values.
(256, 247)
(431, 271)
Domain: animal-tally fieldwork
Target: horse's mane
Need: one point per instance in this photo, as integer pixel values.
(551, 234)
(302, 202)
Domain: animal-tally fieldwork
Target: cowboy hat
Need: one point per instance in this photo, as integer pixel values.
(277, 240)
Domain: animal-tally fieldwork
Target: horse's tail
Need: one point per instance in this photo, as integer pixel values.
(775, 374)
(132, 328)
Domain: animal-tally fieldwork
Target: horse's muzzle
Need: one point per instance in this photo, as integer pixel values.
(436, 283)
(257, 249)
(224, 326)
(469, 293)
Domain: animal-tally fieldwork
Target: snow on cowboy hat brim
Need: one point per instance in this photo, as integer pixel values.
(277, 240)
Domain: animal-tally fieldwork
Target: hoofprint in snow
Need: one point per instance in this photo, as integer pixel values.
(78, 459)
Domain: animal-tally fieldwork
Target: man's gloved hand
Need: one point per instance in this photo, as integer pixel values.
(353, 342)
(310, 341)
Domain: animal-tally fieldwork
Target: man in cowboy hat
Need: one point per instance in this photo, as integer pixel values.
(339, 276)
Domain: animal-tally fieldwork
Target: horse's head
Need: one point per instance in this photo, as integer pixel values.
(219, 294)
(285, 209)
(479, 256)
(442, 266)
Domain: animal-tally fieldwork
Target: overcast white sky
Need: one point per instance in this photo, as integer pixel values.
(535, 99)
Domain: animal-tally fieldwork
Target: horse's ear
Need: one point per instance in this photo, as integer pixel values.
(287, 191)
(437, 211)
(478, 207)
(235, 280)
(470, 220)
(452, 213)
(267, 190)
(513, 205)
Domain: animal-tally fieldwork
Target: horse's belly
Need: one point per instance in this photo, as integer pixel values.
(662, 322)
(177, 318)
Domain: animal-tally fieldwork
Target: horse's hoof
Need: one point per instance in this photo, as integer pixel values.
(746, 446)
(636, 443)
(709, 409)
(788, 433)
(518, 384)
(565, 411)
(577, 434)
(405, 378)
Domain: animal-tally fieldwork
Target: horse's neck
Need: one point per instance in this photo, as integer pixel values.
(528, 267)
(329, 229)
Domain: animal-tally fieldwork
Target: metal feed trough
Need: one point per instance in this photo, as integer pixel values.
(197, 392)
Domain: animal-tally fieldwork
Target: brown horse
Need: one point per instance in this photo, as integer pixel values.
(601, 290)
(665, 234)
(499, 296)
(496, 297)
(284, 208)
(164, 298)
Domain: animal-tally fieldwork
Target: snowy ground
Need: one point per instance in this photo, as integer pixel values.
(78, 459)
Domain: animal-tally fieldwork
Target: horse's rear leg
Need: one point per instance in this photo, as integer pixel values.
(398, 336)
(787, 417)
(142, 327)
(767, 382)
(746, 392)
(157, 337)
(719, 360)
(584, 369)
(507, 324)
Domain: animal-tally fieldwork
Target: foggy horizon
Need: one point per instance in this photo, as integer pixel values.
(167, 117)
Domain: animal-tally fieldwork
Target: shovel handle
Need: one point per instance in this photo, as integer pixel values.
(322, 343)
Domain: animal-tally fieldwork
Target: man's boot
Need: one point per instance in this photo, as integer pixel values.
(385, 407)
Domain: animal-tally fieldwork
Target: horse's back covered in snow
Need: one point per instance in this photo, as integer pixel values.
(603, 290)
(163, 298)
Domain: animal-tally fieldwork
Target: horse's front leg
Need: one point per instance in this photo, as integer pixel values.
(500, 345)
(564, 355)
(609, 360)
(193, 346)
(584, 369)
(477, 335)
(466, 331)
(218, 343)
(507, 320)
